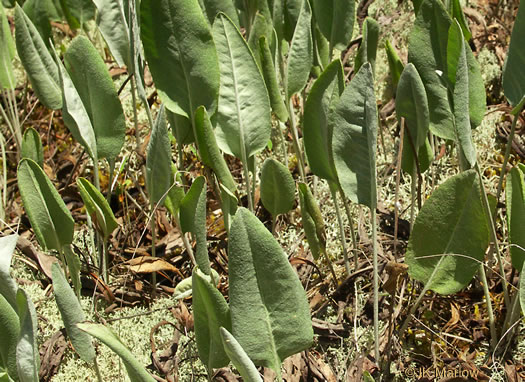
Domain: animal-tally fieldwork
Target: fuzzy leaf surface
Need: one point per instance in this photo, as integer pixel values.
(277, 187)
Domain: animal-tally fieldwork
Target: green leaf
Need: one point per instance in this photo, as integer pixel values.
(136, 372)
(181, 54)
(8, 287)
(47, 212)
(229, 204)
(277, 187)
(476, 89)
(312, 221)
(450, 235)
(269, 310)
(210, 312)
(368, 49)
(515, 198)
(270, 78)
(74, 113)
(27, 356)
(209, 150)
(36, 10)
(214, 7)
(193, 219)
(112, 24)
(321, 49)
(37, 61)
(71, 313)
(239, 358)
(336, 21)
(175, 194)
(97, 208)
(301, 53)
(276, 8)
(458, 77)
(7, 53)
(395, 65)
(181, 128)
(97, 92)
(317, 130)
(244, 116)
(291, 13)
(9, 332)
(514, 68)
(158, 160)
(457, 13)
(32, 146)
(73, 265)
(355, 138)
(78, 12)
(184, 288)
(260, 28)
(412, 104)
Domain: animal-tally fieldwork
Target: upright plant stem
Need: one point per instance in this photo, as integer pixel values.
(376, 285)
(110, 183)
(333, 190)
(494, 238)
(295, 138)
(135, 115)
(4, 179)
(104, 261)
(493, 334)
(507, 154)
(351, 224)
(413, 185)
(153, 254)
(247, 185)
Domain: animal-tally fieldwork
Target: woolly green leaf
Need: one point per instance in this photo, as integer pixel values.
(450, 235)
(355, 138)
(112, 23)
(277, 187)
(515, 197)
(8, 287)
(181, 54)
(158, 160)
(97, 207)
(301, 54)
(244, 115)
(71, 313)
(395, 65)
(37, 61)
(27, 356)
(7, 53)
(210, 312)
(136, 372)
(229, 204)
(291, 13)
(74, 113)
(260, 28)
(97, 92)
(184, 288)
(457, 13)
(175, 194)
(73, 265)
(312, 221)
(78, 12)
(317, 130)
(514, 68)
(269, 310)
(209, 150)
(32, 146)
(181, 128)
(368, 49)
(193, 219)
(9, 332)
(214, 7)
(47, 212)
(270, 78)
(37, 11)
(336, 20)
(239, 358)
(458, 77)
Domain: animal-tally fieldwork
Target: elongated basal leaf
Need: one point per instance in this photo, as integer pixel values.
(97, 207)
(9, 333)
(158, 160)
(37, 61)
(8, 287)
(354, 125)
(27, 356)
(97, 92)
(7, 53)
(514, 69)
(244, 116)
(336, 20)
(47, 212)
(277, 187)
(71, 313)
(301, 54)
(210, 312)
(368, 49)
(209, 150)
(136, 372)
(312, 221)
(32, 146)
(317, 131)
(450, 235)
(112, 24)
(269, 310)
(270, 78)
(395, 65)
(214, 7)
(515, 195)
(181, 54)
(239, 358)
